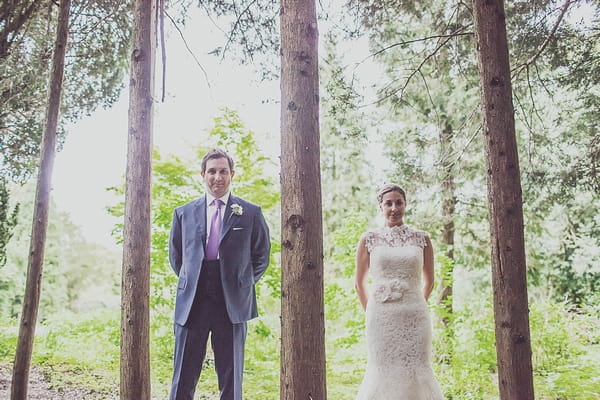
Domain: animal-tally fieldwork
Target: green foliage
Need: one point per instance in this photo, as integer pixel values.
(8, 220)
(471, 373)
(83, 350)
(252, 180)
(97, 56)
(346, 240)
(564, 251)
(565, 351)
(345, 165)
(8, 340)
(261, 369)
(564, 345)
(80, 350)
(78, 276)
(88, 339)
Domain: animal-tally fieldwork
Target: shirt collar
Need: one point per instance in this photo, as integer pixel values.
(210, 198)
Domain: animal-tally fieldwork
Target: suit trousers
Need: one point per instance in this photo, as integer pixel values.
(209, 316)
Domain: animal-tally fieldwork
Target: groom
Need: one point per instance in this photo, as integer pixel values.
(219, 248)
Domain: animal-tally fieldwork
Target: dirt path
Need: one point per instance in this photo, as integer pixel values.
(41, 389)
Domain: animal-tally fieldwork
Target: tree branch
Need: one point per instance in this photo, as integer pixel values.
(456, 33)
(418, 69)
(517, 70)
(163, 47)
(12, 26)
(188, 48)
(235, 25)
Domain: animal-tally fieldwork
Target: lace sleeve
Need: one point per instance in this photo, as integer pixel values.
(369, 238)
(417, 238)
(420, 238)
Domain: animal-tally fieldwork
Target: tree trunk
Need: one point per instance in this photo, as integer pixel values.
(447, 265)
(302, 309)
(40, 214)
(513, 346)
(135, 288)
(448, 205)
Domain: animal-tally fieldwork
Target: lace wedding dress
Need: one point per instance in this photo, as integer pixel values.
(398, 327)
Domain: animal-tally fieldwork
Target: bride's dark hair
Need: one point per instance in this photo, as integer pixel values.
(390, 187)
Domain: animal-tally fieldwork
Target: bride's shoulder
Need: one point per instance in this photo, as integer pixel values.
(418, 236)
(373, 233)
(416, 231)
(372, 237)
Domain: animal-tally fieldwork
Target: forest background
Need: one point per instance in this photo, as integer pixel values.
(399, 103)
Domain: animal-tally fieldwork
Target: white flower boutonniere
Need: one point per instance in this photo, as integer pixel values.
(237, 209)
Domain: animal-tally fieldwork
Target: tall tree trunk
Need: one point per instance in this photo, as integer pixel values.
(302, 309)
(448, 205)
(135, 288)
(39, 227)
(447, 265)
(513, 346)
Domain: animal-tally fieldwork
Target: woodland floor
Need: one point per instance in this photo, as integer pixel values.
(40, 388)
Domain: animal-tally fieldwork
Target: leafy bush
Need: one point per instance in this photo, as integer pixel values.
(565, 352)
(80, 350)
(467, 370)
(8, 340)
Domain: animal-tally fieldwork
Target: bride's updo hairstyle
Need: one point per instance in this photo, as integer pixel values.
(390, 187)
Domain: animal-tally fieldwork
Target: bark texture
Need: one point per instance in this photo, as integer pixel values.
(302, 309)
(513, 345)
(39, 227)
(135, 287)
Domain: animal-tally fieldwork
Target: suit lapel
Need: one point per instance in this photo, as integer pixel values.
(229, 218)
(200, 219)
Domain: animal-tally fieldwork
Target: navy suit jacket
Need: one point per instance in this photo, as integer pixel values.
(243, 256)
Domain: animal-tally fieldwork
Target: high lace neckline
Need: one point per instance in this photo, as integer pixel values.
(395, 236)
(400, 227)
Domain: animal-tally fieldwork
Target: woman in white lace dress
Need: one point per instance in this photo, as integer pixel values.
(399, 260)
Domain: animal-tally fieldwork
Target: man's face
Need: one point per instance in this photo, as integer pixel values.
(217, 176)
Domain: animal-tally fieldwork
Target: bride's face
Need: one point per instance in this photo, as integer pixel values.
(393, 205)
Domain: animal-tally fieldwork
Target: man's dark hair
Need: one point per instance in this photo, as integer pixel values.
(216, 153)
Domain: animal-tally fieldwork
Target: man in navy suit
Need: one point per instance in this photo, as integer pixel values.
(217, 273)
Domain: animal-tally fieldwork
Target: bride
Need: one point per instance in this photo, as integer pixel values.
(398, 327)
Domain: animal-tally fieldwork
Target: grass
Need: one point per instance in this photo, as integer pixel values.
(83, 350)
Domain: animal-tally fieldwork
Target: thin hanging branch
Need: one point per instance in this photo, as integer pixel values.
(517, 70)
(163, 47)
(235, 26)
(456, 33)
(413, 73)
(188, 48)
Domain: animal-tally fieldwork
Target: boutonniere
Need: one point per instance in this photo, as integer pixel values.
(236, 209)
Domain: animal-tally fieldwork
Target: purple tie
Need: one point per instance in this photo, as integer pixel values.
(212, 247)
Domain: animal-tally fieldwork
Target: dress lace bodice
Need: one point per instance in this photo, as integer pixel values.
(396, 262)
